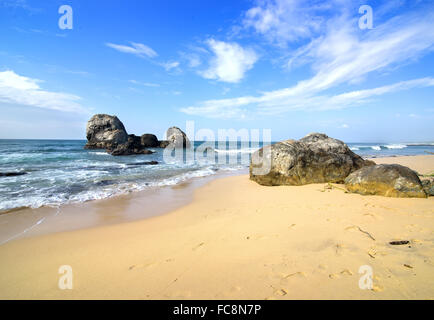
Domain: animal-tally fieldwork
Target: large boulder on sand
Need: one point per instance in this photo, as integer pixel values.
(315, 158)
(104, 131)
(428, 186)
(390, 180)
(177, 138)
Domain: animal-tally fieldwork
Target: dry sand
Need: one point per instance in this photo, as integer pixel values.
(240, 240)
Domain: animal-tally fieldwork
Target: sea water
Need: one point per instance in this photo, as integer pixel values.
(61, 171)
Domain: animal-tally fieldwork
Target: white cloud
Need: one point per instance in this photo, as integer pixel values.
(273, 104)
(143, 51)
(16, 89)
(168, 66)
(145, 84)
(193, 60)
(283, 21)
(137, 49)
(341, 55)
(230, 61)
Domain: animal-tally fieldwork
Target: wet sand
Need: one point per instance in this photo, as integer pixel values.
(238, 240)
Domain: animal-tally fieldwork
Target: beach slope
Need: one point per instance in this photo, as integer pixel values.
(240, 240)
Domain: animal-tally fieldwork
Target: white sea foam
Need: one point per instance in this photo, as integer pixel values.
(100, 153)
(395, 146)
(45, 197)
(232, 151)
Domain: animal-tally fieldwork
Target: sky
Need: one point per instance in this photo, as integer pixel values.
(291, 66)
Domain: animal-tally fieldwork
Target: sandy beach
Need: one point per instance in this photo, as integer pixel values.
(240, 240)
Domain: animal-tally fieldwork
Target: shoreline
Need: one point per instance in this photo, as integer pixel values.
(239, 240)
(17, 223)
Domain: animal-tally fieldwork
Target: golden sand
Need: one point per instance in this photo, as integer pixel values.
(240, 240)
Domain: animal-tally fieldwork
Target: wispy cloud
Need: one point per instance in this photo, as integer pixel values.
(170, 65)
(145, 84)
(230, 61)
(137, 49)
(143, 51)
(193, 59)
(21, 90)
(273, 104)
(340, 55)
(284, 21)
(19, 4)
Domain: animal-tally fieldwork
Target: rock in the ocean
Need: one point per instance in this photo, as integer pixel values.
(105, 132)
(390, 180)
(428, 186)
(164, 144)
(177, 138)
(12, 174)
(143, 163)
(149, 141)
(315, 158)
(132, 146)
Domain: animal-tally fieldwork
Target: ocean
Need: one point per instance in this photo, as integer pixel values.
(61, 171)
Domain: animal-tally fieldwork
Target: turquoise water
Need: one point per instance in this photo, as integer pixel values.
(61, 171)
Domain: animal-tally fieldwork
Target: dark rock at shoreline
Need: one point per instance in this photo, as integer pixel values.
(390, 180)
(144, 163)
(149, 141)
(177, 138)
(12, 174)
(164, 144)
(105, 132)
(315, 158)
(129, 148)
(108, 132)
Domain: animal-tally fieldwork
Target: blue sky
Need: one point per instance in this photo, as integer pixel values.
(290, 66)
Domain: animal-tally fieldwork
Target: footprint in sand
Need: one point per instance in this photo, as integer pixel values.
(262, 237)
(285, 279)
(322, 268)
(377, 288)
(339, 248)
(352, 228)
(373, 216)
(296, 274)
(139, 266)
(235, 289)
(346, 272)
(198, 246)
(281, 292)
